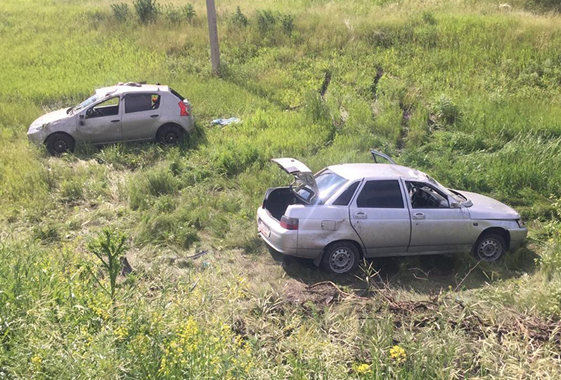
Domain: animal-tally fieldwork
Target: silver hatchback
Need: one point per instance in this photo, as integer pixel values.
(124, 112)
(350, 211)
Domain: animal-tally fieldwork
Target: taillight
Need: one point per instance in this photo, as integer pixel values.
(289, 223)
(183, 109)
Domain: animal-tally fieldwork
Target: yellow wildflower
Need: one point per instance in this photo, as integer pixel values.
(36, 360)
(362, 369)
(398, 354)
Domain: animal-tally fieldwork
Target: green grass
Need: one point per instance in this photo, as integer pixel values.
(464, 90)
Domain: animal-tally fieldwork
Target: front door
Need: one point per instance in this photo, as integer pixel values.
(435, 226)
(142, 113)
(101, 123)
(380, 217)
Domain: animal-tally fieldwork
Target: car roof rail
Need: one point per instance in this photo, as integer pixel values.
(131, 84)
(376, 154)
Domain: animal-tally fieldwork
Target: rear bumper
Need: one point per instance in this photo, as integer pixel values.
(280, 239)
(517, 237)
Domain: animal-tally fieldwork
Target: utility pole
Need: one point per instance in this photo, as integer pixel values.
(213, 35)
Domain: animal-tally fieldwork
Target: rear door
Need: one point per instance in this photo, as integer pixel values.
(141, 115)
(381, 218)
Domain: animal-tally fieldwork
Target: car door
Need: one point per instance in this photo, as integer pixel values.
(101, 123)
(380, 217)
(435, 225)
(141, 116)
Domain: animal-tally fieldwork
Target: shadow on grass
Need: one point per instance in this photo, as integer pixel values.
(422, 274)
(134, 154)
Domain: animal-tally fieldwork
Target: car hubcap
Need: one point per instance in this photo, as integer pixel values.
(489, 250)
(171, 138)
(341, 260)
(61, 146)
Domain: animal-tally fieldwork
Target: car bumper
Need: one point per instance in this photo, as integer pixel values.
(517, 237)
(276, 237)
(36, 136)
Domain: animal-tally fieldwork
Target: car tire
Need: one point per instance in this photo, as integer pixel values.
(59, 143)
(489, 247)
(340, 258)
(170, 134)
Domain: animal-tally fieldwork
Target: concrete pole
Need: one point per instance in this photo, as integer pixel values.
(213, 35)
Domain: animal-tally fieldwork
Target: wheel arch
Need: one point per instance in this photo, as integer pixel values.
(58, 133)
(357, 245)
(497, 231)
(166, 124)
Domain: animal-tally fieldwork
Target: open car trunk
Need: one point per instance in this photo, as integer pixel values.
(277, 200)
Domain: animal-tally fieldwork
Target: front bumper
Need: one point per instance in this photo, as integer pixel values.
(517, 237)
(36, 136)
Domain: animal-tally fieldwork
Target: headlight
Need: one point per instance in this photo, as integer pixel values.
(520, 223)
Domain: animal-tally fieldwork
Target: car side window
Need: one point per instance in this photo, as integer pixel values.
(380, 194)
(141, 102)
(110, 107)
(424, 196)
(345, 198)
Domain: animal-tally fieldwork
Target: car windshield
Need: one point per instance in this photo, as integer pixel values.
(91, 100)
(456, 196)
(327, 182)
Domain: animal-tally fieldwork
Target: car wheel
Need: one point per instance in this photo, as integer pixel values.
(59, 143)
(340, 258)
(490, 247)
(170, 134)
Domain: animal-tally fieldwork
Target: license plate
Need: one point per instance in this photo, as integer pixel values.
(264, 229)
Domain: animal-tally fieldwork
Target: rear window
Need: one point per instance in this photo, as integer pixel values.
(380, 194)
(345, 198)
(328, 183)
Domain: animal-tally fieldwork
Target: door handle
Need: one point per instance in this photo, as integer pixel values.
(115, 121)
(360, 215)
(154, 116)
(418, 215)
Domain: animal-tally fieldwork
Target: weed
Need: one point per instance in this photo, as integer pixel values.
(266, 21)
(121, 11)
(109, 247)
(239, 19)
(188, 11)
(287, 23)
(146, 10)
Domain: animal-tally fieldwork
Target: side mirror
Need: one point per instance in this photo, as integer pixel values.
(455, 205)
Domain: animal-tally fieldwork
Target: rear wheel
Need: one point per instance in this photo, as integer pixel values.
(170, 134)
(340, 258)
(59, 143)
(490, 247)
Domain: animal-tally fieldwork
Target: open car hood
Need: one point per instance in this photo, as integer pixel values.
(304, 185)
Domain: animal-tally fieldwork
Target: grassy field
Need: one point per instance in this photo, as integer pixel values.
(467, 90)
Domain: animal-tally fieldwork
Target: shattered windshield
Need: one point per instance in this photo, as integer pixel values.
(456, 196)
(91, 100)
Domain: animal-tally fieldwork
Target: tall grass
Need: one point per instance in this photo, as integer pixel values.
(466, 91)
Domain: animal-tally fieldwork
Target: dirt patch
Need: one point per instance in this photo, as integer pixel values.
(534, 329)
(322, 293)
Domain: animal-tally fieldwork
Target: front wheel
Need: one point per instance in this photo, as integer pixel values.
(490, 247)
(59, 143)
(340, 258)
(170, 134)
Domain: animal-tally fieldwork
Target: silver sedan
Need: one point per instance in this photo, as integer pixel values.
(350, 211)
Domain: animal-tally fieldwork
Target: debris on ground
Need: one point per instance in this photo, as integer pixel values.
(223, 122)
